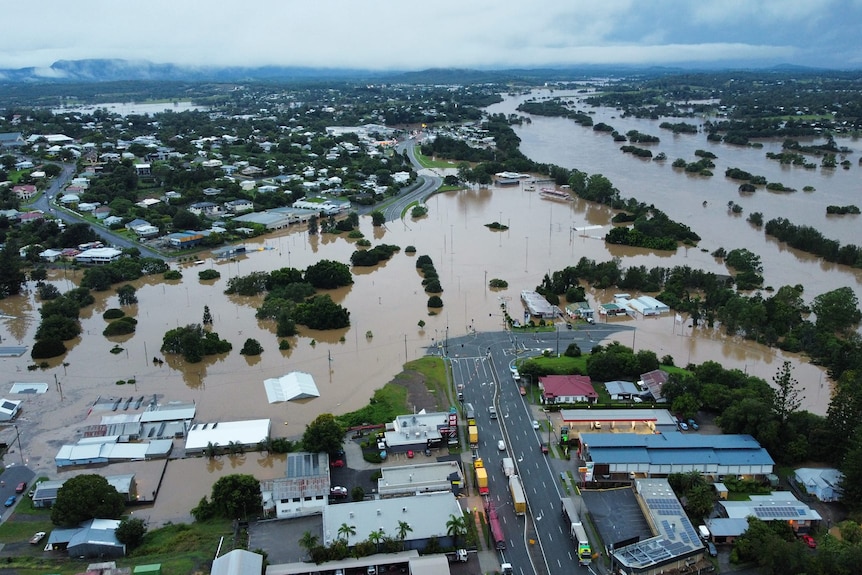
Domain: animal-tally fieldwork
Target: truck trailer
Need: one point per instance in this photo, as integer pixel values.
(508, 467)
(519, 501)
(481, 476)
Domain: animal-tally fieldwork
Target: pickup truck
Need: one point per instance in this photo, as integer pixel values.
(37, 537)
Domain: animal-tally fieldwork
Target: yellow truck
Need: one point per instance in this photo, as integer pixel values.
(473, 433)
(481, 476)
(519, 501)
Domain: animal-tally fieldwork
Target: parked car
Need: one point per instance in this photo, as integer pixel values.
(21, 487)
(428, 452)
(522, 390)
(338, 492)
(543, 447)
(38, 536)
(410, 454)
(683, 426)
(337, 463)
(693, 424)
(808, 540)
(10, 501)
(535, 424)
(710, 548)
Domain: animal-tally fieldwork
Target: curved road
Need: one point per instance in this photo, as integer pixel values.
(427, 185)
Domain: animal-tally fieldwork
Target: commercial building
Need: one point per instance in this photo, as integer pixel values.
(422, 478)
(304, 489)
(247, 433)
(420, 430)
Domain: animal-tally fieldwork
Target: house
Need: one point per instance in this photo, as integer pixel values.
(102, 212)
(11, 140)
(621, 390)
(136, 223)
(24, 191)
(24, 165)
(567, 389)
(579, 309)
(824, 484)
(98, 256)
(239, 206)
(50, 255)
(94, 538)
(9, 409)
(143, 169)
(653, 381)
(777, 506)
(207, 209)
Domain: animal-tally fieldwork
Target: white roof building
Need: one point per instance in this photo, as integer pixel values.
(221, 433)
(294, 385)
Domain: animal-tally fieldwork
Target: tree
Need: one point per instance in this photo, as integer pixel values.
(403, 529)
(12, 277)
(308, 541)
(127, 294)
(376, 537)
(251, 347)
(844, 414)
(130, 532)
(346, 531)
(837, 310)
(86, 497)
(235, 496)
(328, 274)
(324, 434)
(787, 399)
(208, 317)
(378, 218)
(456, 527)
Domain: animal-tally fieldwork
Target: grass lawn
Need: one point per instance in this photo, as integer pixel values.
(427, 162)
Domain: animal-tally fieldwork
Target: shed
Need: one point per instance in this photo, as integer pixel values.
(294, 385)
(9, 409)
(238, 562)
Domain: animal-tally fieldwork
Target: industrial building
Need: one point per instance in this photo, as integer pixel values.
(304, 489)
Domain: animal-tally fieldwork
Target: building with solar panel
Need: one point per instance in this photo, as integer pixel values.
(674, 544)
(777, 506)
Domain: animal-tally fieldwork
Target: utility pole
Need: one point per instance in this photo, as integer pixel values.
(20, 451)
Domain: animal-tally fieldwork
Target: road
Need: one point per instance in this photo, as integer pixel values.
(425, 186)
(46, 203)
(480, 362)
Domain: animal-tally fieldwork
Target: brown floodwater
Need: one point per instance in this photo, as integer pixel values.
(386, 302)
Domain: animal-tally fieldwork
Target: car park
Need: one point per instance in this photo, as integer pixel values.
(10, 501)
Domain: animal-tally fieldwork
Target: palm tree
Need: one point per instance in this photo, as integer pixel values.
(346, 531)
(308, 541)
(455, 527)
(403, 529)
(376, 537)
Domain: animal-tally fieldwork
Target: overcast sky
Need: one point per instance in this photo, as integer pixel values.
(412, 35)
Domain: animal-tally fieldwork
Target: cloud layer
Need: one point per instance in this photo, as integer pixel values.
(393, 34)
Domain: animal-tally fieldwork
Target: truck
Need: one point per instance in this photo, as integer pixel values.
(481, 476)
(494, 525)
(473, 433)
(470, 413)
(519, 501)
(577, 531)
(458, 556)
(508, 466)
(506, 569)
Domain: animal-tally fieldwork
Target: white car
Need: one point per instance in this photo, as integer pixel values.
(535, 424)
(501, 445)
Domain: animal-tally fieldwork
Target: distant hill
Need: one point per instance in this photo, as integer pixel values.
(117, 70)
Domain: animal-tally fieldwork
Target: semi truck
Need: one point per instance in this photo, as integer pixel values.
(494, 524)
(508, 467)
(519, 501)
(473, 433)
(481, 476)
(577, 531)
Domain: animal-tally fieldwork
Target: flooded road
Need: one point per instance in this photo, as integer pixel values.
(387, 302)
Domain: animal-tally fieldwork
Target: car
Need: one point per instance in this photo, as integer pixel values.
(38, 536)
(427, 452)
(10, 501)
(591, 320)
(808, 540)
(522, 390)
(21, 487)
(693, 424)
(337, 463)
(410, 454)
(535, 424)
(372, 570)
(710, 547)
(637, 399)
(683, 426)
(543, 447)
(501, 445)
(337, 491)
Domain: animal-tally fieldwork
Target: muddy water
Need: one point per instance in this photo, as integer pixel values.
(387, 302)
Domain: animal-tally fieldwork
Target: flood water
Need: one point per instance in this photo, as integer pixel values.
(387, 302)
